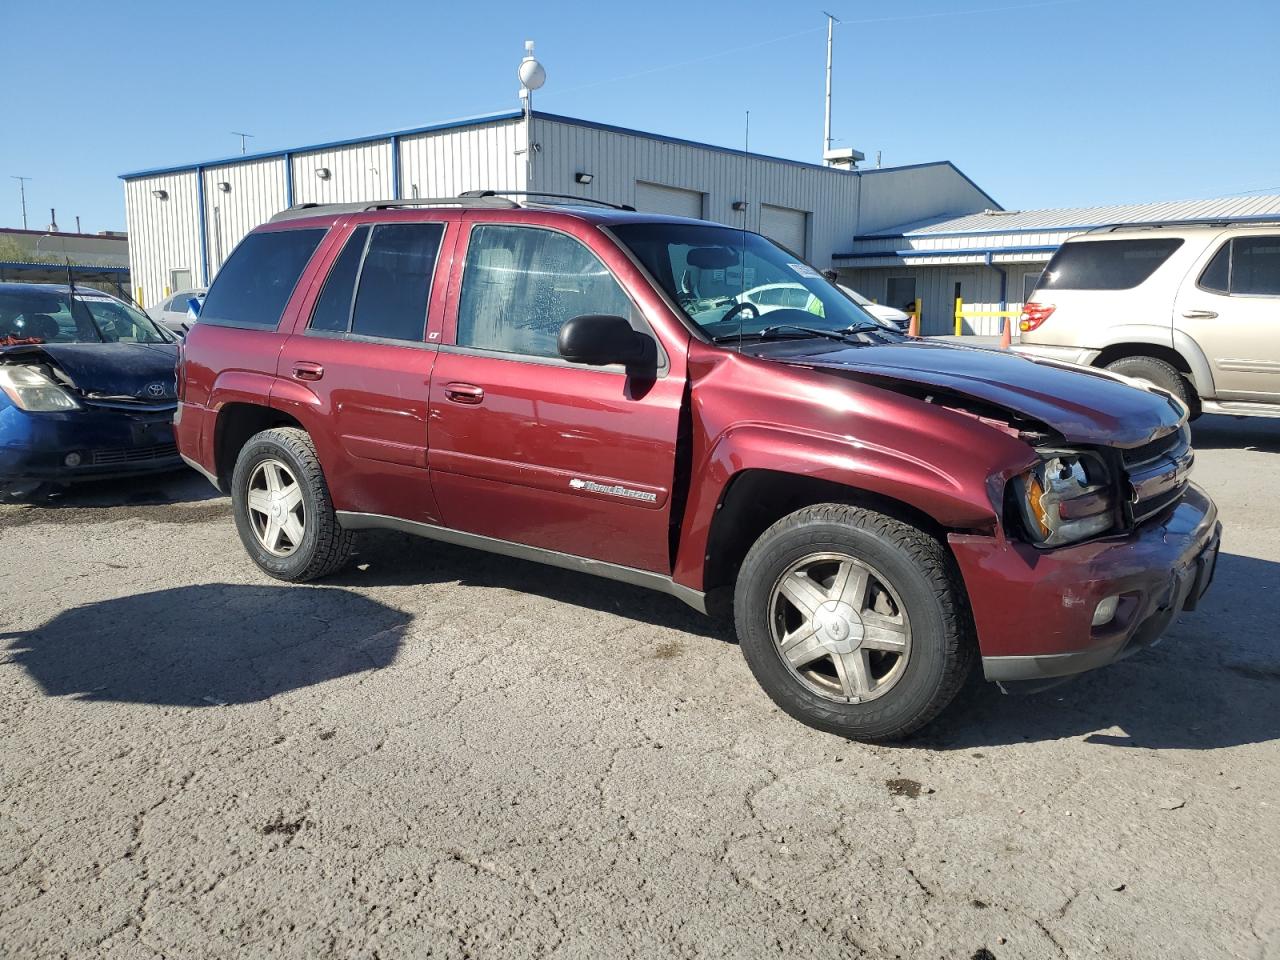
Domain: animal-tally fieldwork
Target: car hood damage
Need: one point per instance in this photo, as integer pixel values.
(117, 373)
(1079, 404)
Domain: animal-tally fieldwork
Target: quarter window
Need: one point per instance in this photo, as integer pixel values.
(521, 284)
(254, 285)
(1217, 275)
(1106, 264)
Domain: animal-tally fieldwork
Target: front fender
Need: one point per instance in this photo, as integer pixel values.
(949, 482)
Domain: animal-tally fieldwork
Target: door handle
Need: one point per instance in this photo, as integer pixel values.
(306, 370)
(464, 392)
(1200, 314)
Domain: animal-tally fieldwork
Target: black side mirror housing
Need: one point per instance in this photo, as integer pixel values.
(599, 339)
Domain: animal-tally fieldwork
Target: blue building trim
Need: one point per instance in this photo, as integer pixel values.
(395, 167)
(266, 155)
(288, 180)
(985, 252)
(204, 236)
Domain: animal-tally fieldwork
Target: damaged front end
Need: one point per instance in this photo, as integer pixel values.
(71, 412)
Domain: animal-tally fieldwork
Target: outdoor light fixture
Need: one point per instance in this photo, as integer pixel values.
(160, 194)
(323, 173)
(740, 205)
(584, 178)
(224, 186)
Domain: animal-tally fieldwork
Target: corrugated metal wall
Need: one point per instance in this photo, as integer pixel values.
(256, 194)
(617, 160)
(358, 171)
(163, 234)
(935, 286)
(445, 163)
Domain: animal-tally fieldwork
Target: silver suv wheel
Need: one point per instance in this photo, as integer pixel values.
(840, 627)
(277, 512)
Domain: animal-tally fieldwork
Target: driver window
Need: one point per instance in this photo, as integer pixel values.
(520, 285)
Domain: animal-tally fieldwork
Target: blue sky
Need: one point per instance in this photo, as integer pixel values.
(1042, 102)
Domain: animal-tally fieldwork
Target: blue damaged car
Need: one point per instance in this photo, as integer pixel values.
(87, 388)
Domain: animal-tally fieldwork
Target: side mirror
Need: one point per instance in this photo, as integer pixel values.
(598, 339)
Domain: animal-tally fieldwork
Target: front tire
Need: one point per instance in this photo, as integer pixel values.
(283, 510)
(853, 622)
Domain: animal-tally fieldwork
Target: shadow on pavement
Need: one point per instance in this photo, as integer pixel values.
(1236, 433)
(175, 497)
(387, 558)
(208, 645)
(1213, 682)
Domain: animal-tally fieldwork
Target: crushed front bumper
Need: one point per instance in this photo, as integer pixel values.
(34, 446)
(1034, 609)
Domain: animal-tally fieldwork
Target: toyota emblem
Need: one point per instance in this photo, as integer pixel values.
(156, 390)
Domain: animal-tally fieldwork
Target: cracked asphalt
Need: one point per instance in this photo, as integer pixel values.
(441, 753)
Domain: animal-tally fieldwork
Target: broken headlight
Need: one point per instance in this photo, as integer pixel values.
(29, 389)
(1065, 498)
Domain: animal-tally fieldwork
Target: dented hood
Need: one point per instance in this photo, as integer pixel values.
(1084, 406)
(142, 371)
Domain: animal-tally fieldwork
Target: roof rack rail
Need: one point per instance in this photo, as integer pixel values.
(323, 209)
(1241, 221)
(482, 194)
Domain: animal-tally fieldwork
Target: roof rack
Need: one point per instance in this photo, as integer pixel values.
(333, 209)
(483, 194)
(1243, 221)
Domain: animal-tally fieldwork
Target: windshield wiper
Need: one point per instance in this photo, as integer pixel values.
(768, 333)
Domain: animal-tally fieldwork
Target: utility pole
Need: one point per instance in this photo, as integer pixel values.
(243, 137)
(22, 192)
(826, 129)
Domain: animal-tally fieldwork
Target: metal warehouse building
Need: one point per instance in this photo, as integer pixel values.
(992, 259)
(184, 220)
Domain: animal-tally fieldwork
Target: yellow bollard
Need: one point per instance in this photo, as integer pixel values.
(959, 316)
(138, 298)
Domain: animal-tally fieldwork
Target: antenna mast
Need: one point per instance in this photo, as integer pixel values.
(826, 128)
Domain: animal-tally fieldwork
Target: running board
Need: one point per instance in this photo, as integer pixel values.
(1240, 408)
(521, 551)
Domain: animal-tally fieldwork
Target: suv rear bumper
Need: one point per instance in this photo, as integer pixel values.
(1034, 609)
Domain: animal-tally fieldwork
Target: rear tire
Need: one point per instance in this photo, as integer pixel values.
(880, 672)
(283, 510)
(1160, 373)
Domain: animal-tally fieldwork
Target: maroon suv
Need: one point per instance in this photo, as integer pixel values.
(629, 395)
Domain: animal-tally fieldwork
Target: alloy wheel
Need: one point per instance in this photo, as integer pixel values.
(277, 512)
(840, 627)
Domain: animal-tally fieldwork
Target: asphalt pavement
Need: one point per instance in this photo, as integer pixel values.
(443, 753)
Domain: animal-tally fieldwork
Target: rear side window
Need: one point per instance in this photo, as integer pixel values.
(380, 284)
(1106, 264)
(332, 313)
(255, 283)
(1246, 267)
(521, 284)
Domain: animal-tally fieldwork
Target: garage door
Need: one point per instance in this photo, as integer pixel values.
(784, 225)
(656, 198)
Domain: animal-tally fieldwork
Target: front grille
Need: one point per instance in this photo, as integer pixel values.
(160, 451)
(1158, 472)
(1167, 446)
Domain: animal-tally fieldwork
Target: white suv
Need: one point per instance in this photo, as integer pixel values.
(1194, 309)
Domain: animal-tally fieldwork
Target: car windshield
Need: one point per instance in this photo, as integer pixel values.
(735, 283)
(54, 316)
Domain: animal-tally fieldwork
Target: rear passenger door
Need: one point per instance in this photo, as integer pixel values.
(528, 447)
(1231, 308)
(362, 359)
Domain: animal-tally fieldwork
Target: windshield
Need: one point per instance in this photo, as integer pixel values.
(52, 316)
(730, 282)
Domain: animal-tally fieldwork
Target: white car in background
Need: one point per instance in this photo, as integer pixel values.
(890, 315)
(772, 296)
(174, 313)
